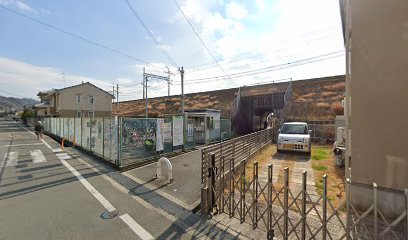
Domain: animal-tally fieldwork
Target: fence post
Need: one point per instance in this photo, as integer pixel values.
(324, 206)
(221, 197)
(348, 216)
(90, 134)
(304, 188)
(210, 194)
(103, 137)
(375, 211)
(231, 188)
(242, 191)
(286, 203)
(255, 195)
(269, 227)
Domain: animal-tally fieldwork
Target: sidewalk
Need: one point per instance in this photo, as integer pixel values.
(185, 189)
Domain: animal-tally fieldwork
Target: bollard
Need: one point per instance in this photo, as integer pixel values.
(169, 167)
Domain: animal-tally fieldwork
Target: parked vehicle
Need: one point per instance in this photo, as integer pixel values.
(294, 136)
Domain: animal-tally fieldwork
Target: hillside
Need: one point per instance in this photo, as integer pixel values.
(12, 103)
(312, 99)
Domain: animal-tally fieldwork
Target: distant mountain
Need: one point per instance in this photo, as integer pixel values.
(12, 103)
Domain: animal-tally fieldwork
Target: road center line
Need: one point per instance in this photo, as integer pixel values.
(136, 228)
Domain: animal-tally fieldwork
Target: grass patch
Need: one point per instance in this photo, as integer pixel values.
(320, 153)
(323, 163)
(319, 167)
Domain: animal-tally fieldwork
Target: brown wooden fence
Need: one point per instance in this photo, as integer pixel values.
(238, 148)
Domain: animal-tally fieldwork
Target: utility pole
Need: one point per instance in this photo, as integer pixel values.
(113, 93)
(182, 89)
(168, 81)
(147, 103)
(117, 99)
(143, 83)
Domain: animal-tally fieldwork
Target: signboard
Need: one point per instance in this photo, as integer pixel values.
(178, 131)
(159, 135)
(167, 131)
(190, 130)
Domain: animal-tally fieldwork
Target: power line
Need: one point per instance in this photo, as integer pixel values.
(79, 37)
(269, 68)
(242, 56)
(202, 42)
(149, 32)
(12, 94)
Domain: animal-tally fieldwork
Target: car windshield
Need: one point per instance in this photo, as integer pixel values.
(294, 129)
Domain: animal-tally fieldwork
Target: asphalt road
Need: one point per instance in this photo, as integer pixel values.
(49, 194)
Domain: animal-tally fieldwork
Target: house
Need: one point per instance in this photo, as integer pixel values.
(376, 103)
(83, 100)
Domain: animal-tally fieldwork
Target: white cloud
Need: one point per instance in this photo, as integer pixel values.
(27, 80)
(21, 5)
(236, 11)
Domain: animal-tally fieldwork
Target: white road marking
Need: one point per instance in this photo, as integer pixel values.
(29, 131)
(136, 228)
(57, 150)
(12, 159)
(46, 144)
(37, 156)
(63, 156)
(105, 203)
(23, 144)
(133, 225)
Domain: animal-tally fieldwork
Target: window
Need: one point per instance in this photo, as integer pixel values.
(78, 115)
(90, 114)
(78, 98)
(45, 113)
(90, 99)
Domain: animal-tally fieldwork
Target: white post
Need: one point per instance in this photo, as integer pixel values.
(169, 167)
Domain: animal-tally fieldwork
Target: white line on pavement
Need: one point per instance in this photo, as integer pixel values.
(29, 131)
(136, 228)
(107, 205)
(37, 156)
(23, 144)
(57, 150)
(46, 144)
(133, 225)
(12, 159)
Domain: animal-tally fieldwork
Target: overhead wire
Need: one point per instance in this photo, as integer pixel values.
(149, 32)
(268, 69)
(12, 94)
(79, 37)
(202, 42)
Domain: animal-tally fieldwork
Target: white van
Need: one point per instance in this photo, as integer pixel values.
(294, 136)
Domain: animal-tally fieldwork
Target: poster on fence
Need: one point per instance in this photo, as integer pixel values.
(178, 138)
(160, 135)
(190, 130)
(167, 130)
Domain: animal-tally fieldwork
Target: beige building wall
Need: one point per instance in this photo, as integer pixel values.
(378, 102)
(68, 101)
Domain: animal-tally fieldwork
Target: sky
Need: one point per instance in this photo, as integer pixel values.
(219, 43)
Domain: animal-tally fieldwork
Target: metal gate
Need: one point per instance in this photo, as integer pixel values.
(292, 213)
